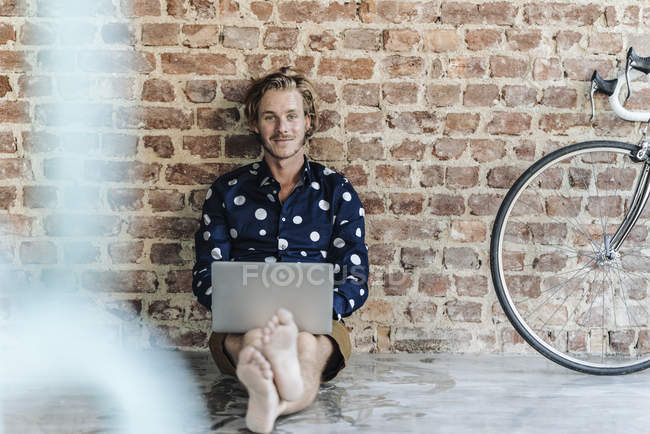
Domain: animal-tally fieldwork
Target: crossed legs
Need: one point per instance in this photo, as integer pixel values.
(280, 367)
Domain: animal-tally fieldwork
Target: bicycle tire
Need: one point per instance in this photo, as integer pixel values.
(539, 225)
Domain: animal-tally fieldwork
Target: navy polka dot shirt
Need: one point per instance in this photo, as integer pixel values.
(322, 220)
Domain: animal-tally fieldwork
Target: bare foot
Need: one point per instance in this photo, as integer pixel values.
(264, 405)
(279, 346)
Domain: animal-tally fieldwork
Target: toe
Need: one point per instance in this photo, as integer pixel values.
(284, 316)
(247, 354)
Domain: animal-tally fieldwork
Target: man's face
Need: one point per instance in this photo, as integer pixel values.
(281, 123)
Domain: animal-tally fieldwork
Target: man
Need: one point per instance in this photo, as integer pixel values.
(283, 208)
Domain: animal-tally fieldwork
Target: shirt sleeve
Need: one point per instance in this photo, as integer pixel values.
(212, 243)
(348, 252)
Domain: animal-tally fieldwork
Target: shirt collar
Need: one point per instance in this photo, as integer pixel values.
(264, 175)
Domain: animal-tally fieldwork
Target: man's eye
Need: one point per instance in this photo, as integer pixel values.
(292, 117)
(268, 118)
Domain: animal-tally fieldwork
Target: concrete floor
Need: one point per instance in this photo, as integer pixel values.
(439, 393)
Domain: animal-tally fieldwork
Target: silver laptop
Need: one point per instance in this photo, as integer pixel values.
(245, 295)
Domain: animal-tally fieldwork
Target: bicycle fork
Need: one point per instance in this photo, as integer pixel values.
(641, 194)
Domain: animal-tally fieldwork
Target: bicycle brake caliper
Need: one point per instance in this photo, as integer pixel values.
(642, 153)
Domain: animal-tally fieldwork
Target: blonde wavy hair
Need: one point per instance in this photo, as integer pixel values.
(285, 78)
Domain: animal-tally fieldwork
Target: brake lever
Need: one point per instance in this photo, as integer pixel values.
(598, 84)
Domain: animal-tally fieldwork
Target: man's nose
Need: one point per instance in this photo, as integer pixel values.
(282, 125)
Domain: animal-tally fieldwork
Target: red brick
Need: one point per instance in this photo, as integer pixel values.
(196, 200)
(63, 225)
(14, 61)
(173, 336)
(162, 146)
(509, 123)
(519, 96)
(408, 150)
(397, 12)
(7, 33)
(562, 13)
(33, 86)
(326, 92)
(464, 311)
(561, 97)
(547, 69)
(397, 283)
(400, 93)
(404, 229)
(365, 149)
(361, 94)
(281, 38)
(140, 8)
(365, 123)
(153, 118)
(362, 39)
(262, 10)
(441, 41)
(503, 66)
(328, 119)
(173, 228)
(119, 145)
(406, 203)
(461, 123)
(120, 281)
(434, 284)
(503, 177)
(15, 112)
(38, 252)
(316, 11)
(400, 66)
(204, 35)
(191, 174)
(468, 231)
(484, 204)
(351, 69)
(13, 8)
(166, 254)
(631, 16)
(325, 41)
(243, 146)
(561, 122)
(203, 146)
(415, 257)
(39, 197)
(203, 8)
(121, 171)
(81, 252)
(165, 310)
(114, 61)
(201, 91)
(467, 67)
(471, 286)
(499, 13)
(197, 63)
(462, 177)
(583, 68)
(443, 95)
(7, 142)
(158, 34)
(326, 149)
(157, 90)
(127, 252)
(462, 258)
(125, 199)
(373, 203)
(432, 176)
(445, 205)
(401, 40)
(218, 119)
(227, 8)
(459, 13)
(567, 39)
(524, 40)
(481, 95)
(15, 168)
(484, 150)
(417, 122)
(7, 197)
(449, 149)
(393, 175)
(243, 38)
(483, 39)
(179, 281)
(606, 43)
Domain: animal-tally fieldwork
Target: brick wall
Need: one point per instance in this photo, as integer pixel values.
(430, 108)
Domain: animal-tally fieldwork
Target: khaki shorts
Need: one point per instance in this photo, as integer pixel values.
(341, 354)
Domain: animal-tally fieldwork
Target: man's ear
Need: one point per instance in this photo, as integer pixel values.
(307, 123)
(253, 128)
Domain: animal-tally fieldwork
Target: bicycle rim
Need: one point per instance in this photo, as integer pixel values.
(562, 294)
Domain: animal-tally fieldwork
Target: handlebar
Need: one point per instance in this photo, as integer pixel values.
(633, 61)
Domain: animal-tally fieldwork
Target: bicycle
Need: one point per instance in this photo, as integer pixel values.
(568, 252)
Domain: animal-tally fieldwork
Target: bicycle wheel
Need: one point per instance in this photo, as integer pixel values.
(569, 301)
